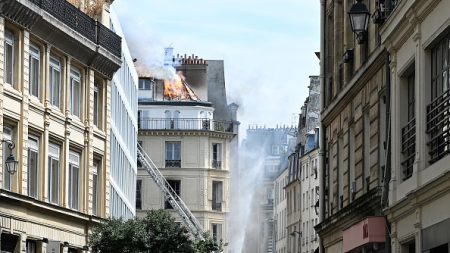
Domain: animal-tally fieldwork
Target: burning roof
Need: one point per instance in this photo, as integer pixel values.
(175, 86)
(178, 89)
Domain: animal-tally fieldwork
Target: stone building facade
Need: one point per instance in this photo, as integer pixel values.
(55, 106)
(353, 131)
(191, 139)
(416, 34)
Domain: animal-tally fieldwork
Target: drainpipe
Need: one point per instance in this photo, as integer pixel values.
(321, 128)
(387, 170)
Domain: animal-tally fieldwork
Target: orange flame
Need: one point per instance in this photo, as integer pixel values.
(178, 89)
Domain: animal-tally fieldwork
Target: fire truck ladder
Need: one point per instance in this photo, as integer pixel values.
(171, 196)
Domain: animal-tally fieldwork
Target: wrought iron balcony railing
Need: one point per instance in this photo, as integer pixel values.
(185, 124)
(173, 163)
(82, 23)
(408, 148)
(217, 206)
(438, 127)
(384, 10)
(216, 164)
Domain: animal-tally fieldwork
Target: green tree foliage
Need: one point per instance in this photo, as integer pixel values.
(157, 232)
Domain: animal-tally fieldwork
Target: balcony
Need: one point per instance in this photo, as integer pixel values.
(408, 148)
(217, 206)
(62, 25)
(173, 163)
(216, 164)
(438, 127)
(185, 124)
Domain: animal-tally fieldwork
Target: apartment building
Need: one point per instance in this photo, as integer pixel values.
(302, 182)
(354, 80)
(55, 87)
(123, 132)
(189, 133)
(280, 208)
(416, 35)
(266, 156)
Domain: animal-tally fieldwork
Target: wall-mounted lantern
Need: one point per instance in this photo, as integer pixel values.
(359, 19)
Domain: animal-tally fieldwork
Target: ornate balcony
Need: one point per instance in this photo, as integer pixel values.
(216, 164)
(173, 163)
(438, 127)
(408, 148)
(62, 25)
(185, 124)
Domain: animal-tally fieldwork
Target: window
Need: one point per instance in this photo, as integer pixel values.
(95, 188)
(217, 196)
(176, 186)
(173, 154)
(33, 165)
(31, 246)
(409, 129)
(217, 156)
(145, 84)
(216, 232)
(139, 194)
(53, 173)
(98, 104)
(74, 180)
(55, 81)
(7, 178)
(409, 247)
(75, 92)
(34, 70)
(438, 118)
(9, 57)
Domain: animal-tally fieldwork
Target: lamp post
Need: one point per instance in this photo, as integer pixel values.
(10, 162)
(359, 19)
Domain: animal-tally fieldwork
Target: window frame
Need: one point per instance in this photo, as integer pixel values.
(9, 41)
(34, 56)
(96, 182)
(55, 65)
(217, 155)
(72, 181)
(175, 184)
(33, 147)
(75, 101)
(54, 156)
(217, 196)
(171, 159)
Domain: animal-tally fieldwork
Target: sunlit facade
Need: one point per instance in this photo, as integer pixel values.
(123, 132)
(55, 85)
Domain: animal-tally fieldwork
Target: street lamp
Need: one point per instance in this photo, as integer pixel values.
(10, 162)
(359, 20)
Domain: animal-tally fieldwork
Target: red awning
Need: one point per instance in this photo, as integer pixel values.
(369, 230)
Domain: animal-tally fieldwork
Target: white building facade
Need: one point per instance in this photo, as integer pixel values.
(123, 133)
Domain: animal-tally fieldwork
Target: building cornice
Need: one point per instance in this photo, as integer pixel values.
(366, 205)
(13, 198)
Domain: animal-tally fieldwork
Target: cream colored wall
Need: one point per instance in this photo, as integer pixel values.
(31, 116)
(195, 174)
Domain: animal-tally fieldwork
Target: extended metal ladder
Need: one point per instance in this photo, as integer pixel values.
(171, 196)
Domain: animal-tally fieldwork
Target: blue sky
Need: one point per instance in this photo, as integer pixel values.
(268, 47)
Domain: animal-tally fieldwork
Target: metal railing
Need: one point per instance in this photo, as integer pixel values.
(185, 124)
(82, 23)
(216, 164)
(408, 148)
(216, 206)
(173, 163)
(438, 127)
